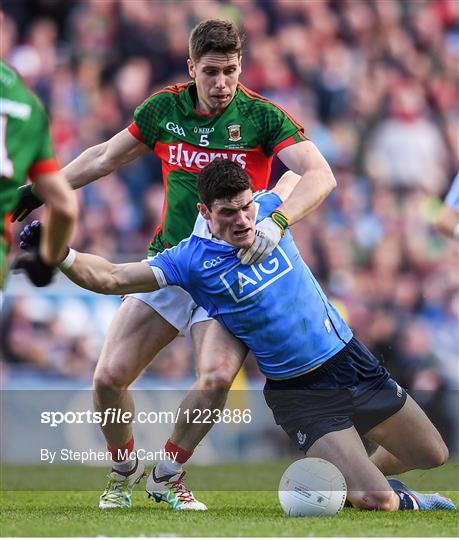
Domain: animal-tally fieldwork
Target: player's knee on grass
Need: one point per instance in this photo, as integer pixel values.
(386, 501)
(434, 455)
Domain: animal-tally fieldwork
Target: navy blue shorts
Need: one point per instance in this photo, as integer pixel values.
(349, 389)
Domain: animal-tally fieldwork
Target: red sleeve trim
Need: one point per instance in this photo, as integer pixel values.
(135, 132)
(7, 236)
(43, 167)
(293, 139)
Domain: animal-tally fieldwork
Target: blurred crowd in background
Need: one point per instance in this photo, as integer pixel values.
(374, 82)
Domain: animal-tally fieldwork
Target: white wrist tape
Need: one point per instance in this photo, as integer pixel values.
(68, 261)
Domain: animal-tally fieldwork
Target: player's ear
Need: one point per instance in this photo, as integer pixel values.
(191, 68)
(203, 210)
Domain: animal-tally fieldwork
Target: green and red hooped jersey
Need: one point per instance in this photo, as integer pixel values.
(250, 131)
(25, 143)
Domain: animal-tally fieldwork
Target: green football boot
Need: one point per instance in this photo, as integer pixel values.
(118, 493)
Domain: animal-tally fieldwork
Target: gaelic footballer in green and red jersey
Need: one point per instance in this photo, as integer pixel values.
(250, 131)
(25, 145)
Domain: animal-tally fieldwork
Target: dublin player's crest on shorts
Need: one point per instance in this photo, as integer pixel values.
(250, 131)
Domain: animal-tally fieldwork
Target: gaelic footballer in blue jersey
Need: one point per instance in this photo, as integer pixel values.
(448, 221)
(324, 387)
(287, 339)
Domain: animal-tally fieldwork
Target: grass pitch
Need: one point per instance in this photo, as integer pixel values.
(231, 513)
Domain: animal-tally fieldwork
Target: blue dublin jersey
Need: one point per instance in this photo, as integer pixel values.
(276, 308)
(452, 197)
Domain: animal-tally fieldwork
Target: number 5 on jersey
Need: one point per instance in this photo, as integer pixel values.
(204, 140)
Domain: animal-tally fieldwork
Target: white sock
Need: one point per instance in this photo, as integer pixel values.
(124, 466)
(167, 467)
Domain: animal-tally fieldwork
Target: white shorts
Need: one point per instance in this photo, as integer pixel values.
(176, 306)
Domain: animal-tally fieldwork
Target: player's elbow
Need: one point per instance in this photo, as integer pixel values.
(327, 182)
(324, 175)
(60, 200)
(333, 183)
(330, 182)
(67, 210)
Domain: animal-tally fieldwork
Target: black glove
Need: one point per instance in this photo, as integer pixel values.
(28, 201)
(39, 273)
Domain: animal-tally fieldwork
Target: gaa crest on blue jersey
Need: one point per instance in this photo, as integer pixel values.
(244, 281)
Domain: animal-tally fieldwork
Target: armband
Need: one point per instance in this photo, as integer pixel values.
(280, 219)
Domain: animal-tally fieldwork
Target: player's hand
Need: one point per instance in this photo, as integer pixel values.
(28, 202)
(267, 236)
(30, 236)
(39, 273)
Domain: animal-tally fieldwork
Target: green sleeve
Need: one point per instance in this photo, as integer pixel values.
(279, 126)
(148, 115)
(273, 124)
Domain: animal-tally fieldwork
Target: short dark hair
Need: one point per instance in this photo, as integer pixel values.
(217, 36)
(221, 179)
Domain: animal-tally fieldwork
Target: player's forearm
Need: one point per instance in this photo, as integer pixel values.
(101, 276)
(312, 189)
(91, 272)
(104, 158)
(91, 165)
(57, 230)
(316, 181)
(61, 211)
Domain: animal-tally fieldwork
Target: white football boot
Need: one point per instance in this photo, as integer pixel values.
(171, 489)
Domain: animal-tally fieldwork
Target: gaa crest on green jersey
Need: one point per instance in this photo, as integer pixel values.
(234, 132)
